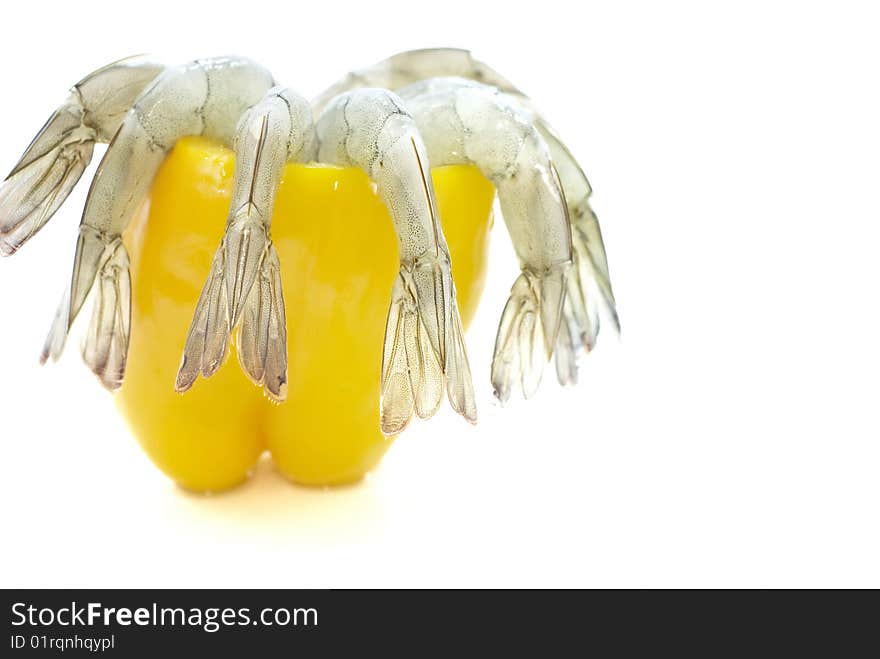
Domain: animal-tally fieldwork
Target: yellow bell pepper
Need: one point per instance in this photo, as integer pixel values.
(339, 258)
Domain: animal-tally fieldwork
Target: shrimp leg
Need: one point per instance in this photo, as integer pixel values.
(56, 158)
(245, 283)
(466, 122)
(371, 129)
(205, 97)
(589, 282)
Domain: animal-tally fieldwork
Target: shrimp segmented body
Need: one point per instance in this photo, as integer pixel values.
(589, 283)
(394, 120)
(59, 154)
(205, 97)
(371, 129)
(463, 121)
(245, 283)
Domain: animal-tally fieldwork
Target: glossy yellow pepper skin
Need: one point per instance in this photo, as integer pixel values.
(339, 258)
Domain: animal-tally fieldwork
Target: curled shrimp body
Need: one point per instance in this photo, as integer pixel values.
(393, 120)
(205, 97)
(463, 121)
(403, 69)
(589, 283)
(59, 154)
(371, 129)
(245, 283)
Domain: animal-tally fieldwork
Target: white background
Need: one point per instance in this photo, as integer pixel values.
(730, 438)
